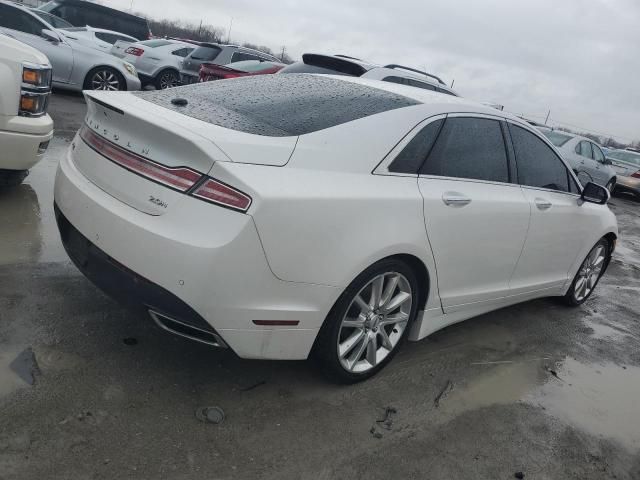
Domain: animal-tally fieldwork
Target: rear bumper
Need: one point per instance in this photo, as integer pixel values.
(196, 263)
(628, 184)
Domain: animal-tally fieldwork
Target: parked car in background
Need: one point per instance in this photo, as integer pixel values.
(218, 55)
(157, 61)
(81, 13)
(243, 68)
(97, 38)
(242, 216)
(75, 66)
(584, 156)
(344, 65)
(627, 166)
(25, 127)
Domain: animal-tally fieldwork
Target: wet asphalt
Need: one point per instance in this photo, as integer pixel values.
(89, 390)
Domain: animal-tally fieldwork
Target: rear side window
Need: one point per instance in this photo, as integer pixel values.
(597, 153)
(182, 52)
(205, 53)
(538, 164)
(469, 148)
(410, 159)
(279, 105)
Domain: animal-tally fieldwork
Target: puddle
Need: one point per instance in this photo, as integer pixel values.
(28, 231)
(600, 399)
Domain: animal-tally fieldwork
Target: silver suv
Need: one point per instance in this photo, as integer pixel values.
(219, 55)
(344, 65)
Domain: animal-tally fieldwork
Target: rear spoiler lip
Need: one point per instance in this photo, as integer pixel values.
(105, 105)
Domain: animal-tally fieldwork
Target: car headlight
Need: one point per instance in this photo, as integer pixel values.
(130, 68)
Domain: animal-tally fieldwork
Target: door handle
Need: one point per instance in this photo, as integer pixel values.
(455, 199)
(543, 204)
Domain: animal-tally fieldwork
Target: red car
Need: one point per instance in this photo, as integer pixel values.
(244, 68)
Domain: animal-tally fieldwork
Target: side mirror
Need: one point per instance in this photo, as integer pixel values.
(50, 36)
(595, 193)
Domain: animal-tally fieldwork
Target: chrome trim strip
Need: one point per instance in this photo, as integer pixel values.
(216, 340)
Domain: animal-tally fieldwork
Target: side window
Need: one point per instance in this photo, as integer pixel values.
(16, 19)
(584, 149)
(573, 186)
(182, 52)
(410, 159)
(108, 37)
(425, 86)
(469, 148)
(597, 153)
(447, 92)
(538, 164)
(240, 56)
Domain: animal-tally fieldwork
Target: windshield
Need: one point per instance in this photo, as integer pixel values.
(629, 157)
(558, 139)
(205, 53)
(55, 22)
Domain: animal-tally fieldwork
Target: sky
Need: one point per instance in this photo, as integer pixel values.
(577, 58)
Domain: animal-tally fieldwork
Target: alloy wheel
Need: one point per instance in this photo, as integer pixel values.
(168, 80)
(374, 322)
(105, 80)
(589, 272)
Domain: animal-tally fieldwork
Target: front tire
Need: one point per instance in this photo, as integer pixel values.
(589, 274)
(104, 78)
(12, 178)
(368, 323)
(611, 186)
(166, 79)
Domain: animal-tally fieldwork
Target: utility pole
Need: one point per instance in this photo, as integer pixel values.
(229, 32)
(282, 54)
(199, 29)
(452, 82)
(545, 120)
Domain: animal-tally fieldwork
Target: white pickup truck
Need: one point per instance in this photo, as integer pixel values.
(25, 127)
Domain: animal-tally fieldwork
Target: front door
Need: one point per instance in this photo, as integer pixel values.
(476, 218)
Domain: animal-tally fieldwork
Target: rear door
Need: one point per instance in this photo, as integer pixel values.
(586, 165)
(476, 217)
(603, 172)
(557, 226)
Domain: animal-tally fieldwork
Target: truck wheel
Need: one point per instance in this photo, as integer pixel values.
(12, 178)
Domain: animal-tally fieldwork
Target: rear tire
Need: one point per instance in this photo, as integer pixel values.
(166, 79)
(12, 178)
(589, 273)
(368, 323)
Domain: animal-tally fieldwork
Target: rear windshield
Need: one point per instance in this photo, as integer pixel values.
(155, 43)
(251, 65)
(558, 139)
(301, 67)
(278, 105)
(625, 157)
(205, 53)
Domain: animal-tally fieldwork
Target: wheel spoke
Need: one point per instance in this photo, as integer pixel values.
(364, 306)
(345, 347)
(386, 342)
(372, 350)
(389, 290)
(358, 352)
(579, 283)
(400, 317)
(397, 301)
(353, 323)
(376, 292)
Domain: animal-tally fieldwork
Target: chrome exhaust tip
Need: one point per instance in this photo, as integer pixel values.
(182, 329)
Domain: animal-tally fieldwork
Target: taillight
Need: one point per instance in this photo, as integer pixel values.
(134, 51)
(178, 178)
(636, 175)
(216, 192)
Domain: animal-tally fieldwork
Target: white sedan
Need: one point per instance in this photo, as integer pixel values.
(284, 216)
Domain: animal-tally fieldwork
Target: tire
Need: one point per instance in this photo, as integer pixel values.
(12, 178)
(104, 78)
(611, 186)
(589, 274)
(368, 337)
(166, 79)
